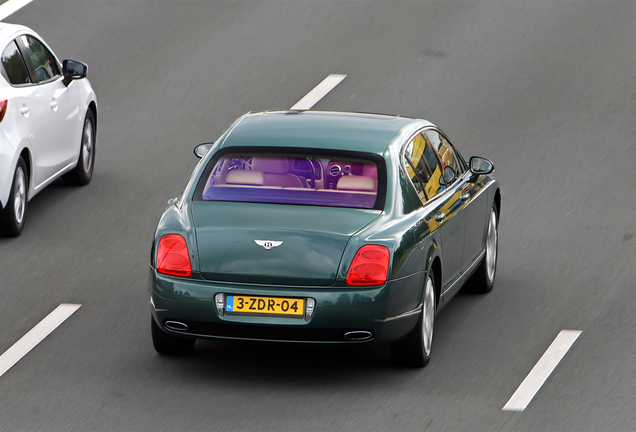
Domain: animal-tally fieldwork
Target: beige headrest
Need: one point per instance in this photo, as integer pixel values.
(255, 178)
(271, 165)
(357, 183)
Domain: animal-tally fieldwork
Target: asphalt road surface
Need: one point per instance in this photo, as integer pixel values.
(546, 89)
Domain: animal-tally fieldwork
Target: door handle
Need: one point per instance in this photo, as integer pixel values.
(439, 217)
(24, 110)
(54, 104)
(465, 196)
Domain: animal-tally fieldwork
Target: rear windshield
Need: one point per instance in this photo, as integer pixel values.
(286, 178)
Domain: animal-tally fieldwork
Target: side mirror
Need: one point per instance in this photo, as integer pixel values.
(202, 149)
(72, 70)
(480, 165)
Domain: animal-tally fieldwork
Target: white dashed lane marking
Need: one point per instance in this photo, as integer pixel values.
(7, 8)
(542, 370)
(319, 92)
(36, 335)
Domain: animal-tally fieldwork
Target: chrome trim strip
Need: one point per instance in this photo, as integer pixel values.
(152, 303)
(403, 315)
(484, 189)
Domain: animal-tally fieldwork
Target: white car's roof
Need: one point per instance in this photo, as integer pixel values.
(8, 30)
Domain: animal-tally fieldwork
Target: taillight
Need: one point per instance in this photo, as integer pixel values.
(370, 266)
(173, 257)
(3, 108)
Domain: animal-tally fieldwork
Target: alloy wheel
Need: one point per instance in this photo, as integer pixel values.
(19, 195)
(491, 246)
(87, 146)
(428, 320)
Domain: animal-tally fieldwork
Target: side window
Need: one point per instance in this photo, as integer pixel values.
(43, 62)
(425, 166)
(13, 64)
(410, 169)
(452, 166)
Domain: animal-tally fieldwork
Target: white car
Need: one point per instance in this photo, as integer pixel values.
(48, 122)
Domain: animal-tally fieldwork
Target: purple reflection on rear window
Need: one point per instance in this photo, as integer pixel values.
(290, 179)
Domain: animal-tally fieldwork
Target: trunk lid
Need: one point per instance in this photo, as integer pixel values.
(313, 241)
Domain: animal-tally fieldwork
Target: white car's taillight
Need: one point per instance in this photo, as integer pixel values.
(3, 108)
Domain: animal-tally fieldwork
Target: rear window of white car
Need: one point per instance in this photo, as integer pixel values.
(336, 180)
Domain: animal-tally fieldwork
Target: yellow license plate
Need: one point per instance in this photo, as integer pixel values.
(265, 305)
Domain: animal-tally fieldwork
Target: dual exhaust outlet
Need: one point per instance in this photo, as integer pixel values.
(358, 335)
(176, 326)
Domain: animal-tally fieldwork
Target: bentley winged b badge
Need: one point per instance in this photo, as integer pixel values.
(268, 244)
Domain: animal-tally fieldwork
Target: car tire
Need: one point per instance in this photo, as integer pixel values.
(13, 215)
(83, 172)
(414, 350)
(169, 345)
(483, 279)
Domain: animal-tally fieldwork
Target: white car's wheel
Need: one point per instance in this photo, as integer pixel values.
(83, 172)
(13, 215)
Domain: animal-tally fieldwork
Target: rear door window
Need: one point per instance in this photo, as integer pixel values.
(302, 179)
(14, 68)
(415, 171)
(453, 168)
(425, 165)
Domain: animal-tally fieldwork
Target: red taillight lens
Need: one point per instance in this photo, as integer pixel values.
(370, 266)
(3, 108)
(173, 257)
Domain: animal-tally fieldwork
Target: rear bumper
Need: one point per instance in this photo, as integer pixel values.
(388, 312)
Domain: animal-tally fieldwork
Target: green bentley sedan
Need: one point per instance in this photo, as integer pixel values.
(323, 227)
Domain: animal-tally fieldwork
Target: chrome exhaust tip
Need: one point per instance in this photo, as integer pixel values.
(358, 335)
(176, 326)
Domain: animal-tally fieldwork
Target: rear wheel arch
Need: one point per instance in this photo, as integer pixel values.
(498, 203)
(26, 156)
(436, 267)
(434, 264)
(93, 108)
(414, 349)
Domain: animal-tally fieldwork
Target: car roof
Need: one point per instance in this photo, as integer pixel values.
(349, 131)
(7, 30)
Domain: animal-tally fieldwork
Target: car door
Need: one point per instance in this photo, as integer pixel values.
(14, 70)
(453, 235)
(27, 112)
(59, 133)
(442, 202)
(468, 192)
(476, 209)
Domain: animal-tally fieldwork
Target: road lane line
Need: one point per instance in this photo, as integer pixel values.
(542, 370)
(36, 335)
(318, 92)
(7, 8)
